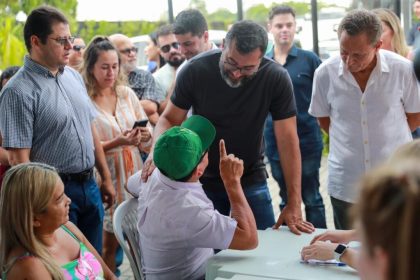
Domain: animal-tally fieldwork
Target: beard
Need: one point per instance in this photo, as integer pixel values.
(234, 84)
(176, 62)
(129, 66)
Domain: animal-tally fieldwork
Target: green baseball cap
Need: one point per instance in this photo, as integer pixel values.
(180, 149)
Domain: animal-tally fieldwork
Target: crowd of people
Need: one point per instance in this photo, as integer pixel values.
(83, 128)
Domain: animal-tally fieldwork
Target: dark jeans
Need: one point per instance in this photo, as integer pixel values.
(314, 206)
(259, 200)
(86, 209)
(341, 209)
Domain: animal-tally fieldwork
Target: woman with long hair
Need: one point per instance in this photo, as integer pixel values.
(37, 239)
(393, 38)
(152, 52)
(118, 109)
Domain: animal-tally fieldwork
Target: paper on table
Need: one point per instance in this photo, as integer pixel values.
(328, 262)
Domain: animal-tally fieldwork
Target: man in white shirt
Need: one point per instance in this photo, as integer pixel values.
(170, 51)
(368, 100)
(178, 226)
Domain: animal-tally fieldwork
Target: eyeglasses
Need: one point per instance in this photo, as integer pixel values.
(78, 48)
(245, 70)
(64, 40)
(167, 48)
(127, 51)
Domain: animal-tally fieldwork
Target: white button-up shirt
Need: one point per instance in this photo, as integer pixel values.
(178, 227)
(366, 127)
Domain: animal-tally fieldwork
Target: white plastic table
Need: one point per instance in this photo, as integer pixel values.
(276, 257)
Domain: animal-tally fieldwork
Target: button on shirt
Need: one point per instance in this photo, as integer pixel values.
(49, 114)
(301, 66)
(178, 227)
(365, 128)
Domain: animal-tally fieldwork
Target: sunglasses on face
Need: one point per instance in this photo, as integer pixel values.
(127, 51)
(167, 48)
(78, 48)
(64, 40)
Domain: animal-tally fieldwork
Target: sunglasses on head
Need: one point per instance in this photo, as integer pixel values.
(167, 48)
(129, 50)
(78, 48)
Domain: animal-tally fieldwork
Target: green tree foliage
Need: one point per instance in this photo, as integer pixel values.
(199, 5)
(12, 49)
(258, 13)
(88, 29)
(221, 18)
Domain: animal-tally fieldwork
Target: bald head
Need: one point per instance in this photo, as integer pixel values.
(128, 52)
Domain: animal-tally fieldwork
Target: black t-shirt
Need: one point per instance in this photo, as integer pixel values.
(237, 113)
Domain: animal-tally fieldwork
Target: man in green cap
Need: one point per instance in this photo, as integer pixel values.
(178, 225)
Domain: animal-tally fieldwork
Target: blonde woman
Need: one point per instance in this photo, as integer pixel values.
(37, 239)
(393, 38)
(118, 109)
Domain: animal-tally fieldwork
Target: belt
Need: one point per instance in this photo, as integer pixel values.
(78, 177)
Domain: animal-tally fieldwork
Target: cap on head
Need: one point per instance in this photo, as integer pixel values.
(180, 149)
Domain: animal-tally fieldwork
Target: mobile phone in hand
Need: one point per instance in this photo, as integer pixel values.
(140, 123)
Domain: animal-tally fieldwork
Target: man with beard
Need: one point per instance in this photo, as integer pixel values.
(236, 89)
(140, 81)
(170, 51)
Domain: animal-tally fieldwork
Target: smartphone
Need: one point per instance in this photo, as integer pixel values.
(140, 123)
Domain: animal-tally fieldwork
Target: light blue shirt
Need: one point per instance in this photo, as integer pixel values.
(51, 115)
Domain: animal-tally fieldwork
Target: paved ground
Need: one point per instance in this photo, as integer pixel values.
(274, 190)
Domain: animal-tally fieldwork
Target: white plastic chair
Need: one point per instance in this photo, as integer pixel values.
(125, 223)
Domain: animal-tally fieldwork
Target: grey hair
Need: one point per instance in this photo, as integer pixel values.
(361, 21)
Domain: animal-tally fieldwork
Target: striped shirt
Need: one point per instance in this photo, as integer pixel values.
(49, 114)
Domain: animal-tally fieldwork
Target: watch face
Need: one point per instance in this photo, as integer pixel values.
(340, 249)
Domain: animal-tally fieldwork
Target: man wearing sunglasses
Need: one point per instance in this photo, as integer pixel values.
(139, 80)
(46, 116)
(76, 53)
(236, 89)
(171, 53)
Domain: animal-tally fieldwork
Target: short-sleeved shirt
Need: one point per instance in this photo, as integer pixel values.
(164, 78)
(237, 113)
(366, 127)
(178, 227)
(49, 114)
(143, 84)
(301, 66)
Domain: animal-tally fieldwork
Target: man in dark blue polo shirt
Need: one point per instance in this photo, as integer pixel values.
(301, 66)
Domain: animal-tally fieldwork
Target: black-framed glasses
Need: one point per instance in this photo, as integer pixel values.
(167, 48)
(78, 48)
(127, 51)
(245, 70)
(64, 40)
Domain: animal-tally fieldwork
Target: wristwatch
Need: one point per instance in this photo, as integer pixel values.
(339, 251)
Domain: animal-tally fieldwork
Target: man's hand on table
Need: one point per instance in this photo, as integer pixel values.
(292, 217)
